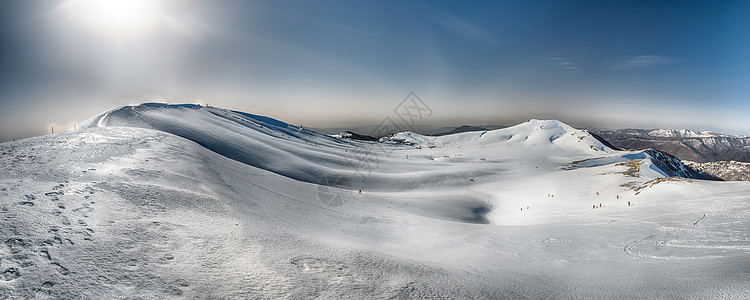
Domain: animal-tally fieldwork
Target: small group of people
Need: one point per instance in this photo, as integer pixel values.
(600, 205)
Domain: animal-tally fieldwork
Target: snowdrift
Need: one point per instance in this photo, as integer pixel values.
(255, 140)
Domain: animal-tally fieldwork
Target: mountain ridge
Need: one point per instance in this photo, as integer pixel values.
(684, 144)
(239, 135)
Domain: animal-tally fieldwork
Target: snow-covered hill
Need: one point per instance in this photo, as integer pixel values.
(179, 201)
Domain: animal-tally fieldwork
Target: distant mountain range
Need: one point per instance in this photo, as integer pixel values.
(697, 146)
(718, 155)
(460, 129)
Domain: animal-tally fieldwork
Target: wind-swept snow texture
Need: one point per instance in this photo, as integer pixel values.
(157, 201)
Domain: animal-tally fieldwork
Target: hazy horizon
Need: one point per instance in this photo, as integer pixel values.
(336, 63)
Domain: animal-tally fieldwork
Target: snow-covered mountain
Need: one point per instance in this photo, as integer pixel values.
(724, 170)
(698, 146)
(460, 129)
(161, 201)
(682, 133)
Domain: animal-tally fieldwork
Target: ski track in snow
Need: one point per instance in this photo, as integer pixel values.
(155, 202)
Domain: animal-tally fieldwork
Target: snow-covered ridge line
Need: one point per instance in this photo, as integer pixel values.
(533, 133)
(303, 155)
(674, 133)
(674, 167)
(686, 133)
(255, 140)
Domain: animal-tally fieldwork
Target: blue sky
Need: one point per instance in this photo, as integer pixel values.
(345, 63)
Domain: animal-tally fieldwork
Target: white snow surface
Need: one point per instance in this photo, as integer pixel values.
(156, 201)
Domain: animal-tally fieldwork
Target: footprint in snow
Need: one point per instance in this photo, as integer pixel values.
(16, 245)
(10, 274)
(60, 269)
(52, 194)
(44, 252)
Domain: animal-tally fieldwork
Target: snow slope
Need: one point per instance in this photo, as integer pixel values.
(155, 201)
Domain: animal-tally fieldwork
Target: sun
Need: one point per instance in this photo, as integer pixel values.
(116, 18)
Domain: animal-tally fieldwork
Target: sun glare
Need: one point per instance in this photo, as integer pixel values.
(116, 18)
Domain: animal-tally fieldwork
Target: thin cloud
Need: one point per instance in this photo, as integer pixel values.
(303, 19)
(347, 29)
(564, 63)
(643, 61)
(467, 30)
